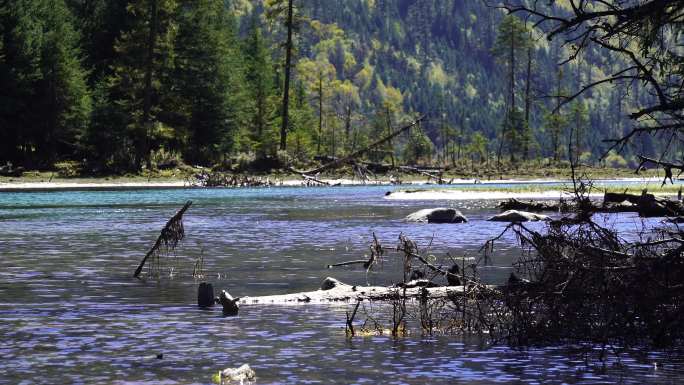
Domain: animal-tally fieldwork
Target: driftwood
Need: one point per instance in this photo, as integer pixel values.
(435, 174)
(226, 179)
(342, 292)
(647, 205)
(172, 233)
(354, 155)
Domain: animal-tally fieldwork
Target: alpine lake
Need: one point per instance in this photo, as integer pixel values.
(71, 311)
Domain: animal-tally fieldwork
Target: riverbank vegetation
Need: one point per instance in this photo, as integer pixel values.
(114, 88)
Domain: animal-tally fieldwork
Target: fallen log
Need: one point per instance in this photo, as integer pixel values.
(647, 205)
(430, 175)
(333, 291)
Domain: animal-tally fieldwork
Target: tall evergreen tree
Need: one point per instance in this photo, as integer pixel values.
(209, 80)
(45, 99)
(259, 76)
(512, 40)
(285, 10)
(142, 70)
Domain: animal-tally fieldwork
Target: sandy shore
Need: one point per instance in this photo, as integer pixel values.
(99, 184)
(432, 191)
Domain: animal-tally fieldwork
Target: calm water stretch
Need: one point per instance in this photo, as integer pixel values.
(70, 311)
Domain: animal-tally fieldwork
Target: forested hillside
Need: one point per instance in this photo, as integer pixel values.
(118, 87)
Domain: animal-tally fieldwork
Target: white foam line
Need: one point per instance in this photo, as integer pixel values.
(472, 195)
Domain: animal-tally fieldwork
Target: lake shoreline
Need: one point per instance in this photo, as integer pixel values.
(546, 188)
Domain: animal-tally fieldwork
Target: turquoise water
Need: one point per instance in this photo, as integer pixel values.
(70, 311)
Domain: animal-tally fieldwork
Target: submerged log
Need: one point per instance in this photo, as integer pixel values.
(333, 291)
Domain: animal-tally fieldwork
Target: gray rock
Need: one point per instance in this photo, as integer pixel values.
(518, 216)
(330, 283)
(237, 375)
(437, 215)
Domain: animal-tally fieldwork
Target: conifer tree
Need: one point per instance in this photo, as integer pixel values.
(45, 100)
(512, 40)
(209, 81)
(142, 70)
(259, 77)
(285, 10)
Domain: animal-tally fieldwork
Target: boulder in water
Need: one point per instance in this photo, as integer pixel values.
(518, 216)
(437, 215)
(330, 283)
(241, 375)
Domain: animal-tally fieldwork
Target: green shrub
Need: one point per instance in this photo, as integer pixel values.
(69, 168)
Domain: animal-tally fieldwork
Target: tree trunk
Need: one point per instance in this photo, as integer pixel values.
(555, 138)
(528, 85)
(333, 290)
(320, 112)
(511, 105)
(144, 144)
(286, 87)
(347, 121)
(389, 131)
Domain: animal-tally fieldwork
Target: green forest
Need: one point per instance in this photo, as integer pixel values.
(121, 86)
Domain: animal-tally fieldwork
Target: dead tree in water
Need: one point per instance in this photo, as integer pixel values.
(354, 155)
(376, 253)
(172, 233)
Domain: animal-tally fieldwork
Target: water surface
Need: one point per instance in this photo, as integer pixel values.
(71, 312)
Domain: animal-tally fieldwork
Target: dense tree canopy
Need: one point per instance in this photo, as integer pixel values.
(119, 85)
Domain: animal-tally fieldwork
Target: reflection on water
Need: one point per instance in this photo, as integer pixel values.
(70, 311)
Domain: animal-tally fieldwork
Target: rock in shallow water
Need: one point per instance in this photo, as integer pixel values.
(437, 215)
(518, 216)
(241, 375)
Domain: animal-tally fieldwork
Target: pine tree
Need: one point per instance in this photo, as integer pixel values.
(259, 77)
(209, 81)
(512, 39)
(46, 102)
(142, 71)
(285, 10)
